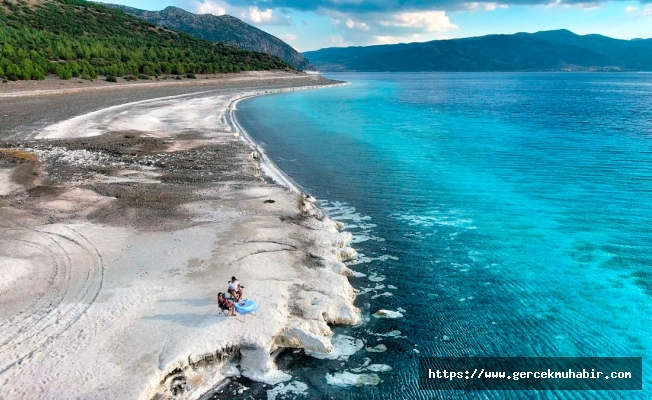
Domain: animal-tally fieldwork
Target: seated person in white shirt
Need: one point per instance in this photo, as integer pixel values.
(235, 289)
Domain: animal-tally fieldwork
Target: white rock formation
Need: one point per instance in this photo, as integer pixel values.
(99, 312)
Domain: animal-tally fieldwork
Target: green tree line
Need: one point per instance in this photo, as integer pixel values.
(75, 38)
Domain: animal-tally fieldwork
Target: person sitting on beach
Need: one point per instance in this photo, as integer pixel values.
(235, 289)
(225, 303)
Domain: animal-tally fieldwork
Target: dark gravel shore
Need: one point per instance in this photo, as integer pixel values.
(22, 117)
(77, 162)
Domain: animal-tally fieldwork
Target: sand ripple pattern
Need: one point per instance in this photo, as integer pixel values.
(73, 271)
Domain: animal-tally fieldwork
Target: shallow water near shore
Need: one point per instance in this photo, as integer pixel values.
(511, 213)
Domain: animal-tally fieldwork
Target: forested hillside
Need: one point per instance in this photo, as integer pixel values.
(73, 38)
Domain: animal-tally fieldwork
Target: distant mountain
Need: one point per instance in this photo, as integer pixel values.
(559, 50)
(221, 29)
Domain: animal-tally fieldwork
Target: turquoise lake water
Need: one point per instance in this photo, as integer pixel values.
(511, 212)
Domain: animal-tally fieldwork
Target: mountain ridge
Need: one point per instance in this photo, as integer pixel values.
(557, 50)
(220, 29)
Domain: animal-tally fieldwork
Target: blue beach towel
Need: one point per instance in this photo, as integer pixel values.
(246, 308)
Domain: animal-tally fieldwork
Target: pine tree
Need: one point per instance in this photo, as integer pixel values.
(79, 38)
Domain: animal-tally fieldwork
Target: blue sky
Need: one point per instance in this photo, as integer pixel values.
(314, 24)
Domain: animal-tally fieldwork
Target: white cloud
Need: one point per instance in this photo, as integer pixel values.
(587, 6)
(388, 28)
(636, 12)
(334, 40)
(647, 11)
(264, 17)
(380, 39)
(209, 7)
(289, 38)
(484, 6)
(428, 21)
(254, 14)
(351, 24)
(342, 20)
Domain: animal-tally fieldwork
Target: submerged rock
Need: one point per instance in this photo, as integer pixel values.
(345, 379)
(387, 314)
(381, 348)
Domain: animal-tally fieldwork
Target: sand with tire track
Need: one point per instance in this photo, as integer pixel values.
(117, 230)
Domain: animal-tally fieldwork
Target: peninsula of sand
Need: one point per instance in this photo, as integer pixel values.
(123, 213)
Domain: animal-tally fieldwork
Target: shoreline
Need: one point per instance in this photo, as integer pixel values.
(280, 178)
(20, 89)
(269, 168)
(30, 112)
(291, 243)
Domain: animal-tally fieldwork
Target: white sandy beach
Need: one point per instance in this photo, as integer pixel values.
(97, 310)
